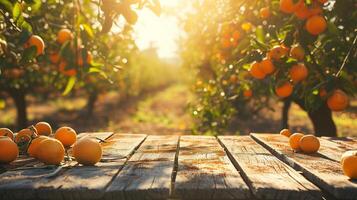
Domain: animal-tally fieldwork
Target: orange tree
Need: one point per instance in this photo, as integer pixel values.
(53, 45)
(250, 53)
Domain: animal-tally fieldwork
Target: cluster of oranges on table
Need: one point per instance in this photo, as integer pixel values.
(311, 144)
(39, 142)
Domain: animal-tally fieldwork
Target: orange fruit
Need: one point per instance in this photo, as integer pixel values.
(64, 35)
(226, 43)
(309, 144)
(236, 35)
(322, 1)
(25, 135)
(66, 135)
(43, 128)
(35, 144)
(284, 90)
(87, 151)
(322, 92)
(289, 6)
(88, 60)
(7, 132)
(256, 71)
(50, 151)
(277, 52)
(247, 93)
(294, 141)
(316, 25)
(286, 132)
(233, 78)
(338, 100)
(267, 66)
(36, 41)
(298, 72)
(264, 12)
(302, 12)
(297, 52)
(349, 164)
(54, 58)
(68, 72)
(8, 150)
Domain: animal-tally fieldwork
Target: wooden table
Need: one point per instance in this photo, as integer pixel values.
(134, 166)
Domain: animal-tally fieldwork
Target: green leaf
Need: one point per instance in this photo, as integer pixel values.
(260, 34)
(16, 11)
(29, 54)
(70, 84)
(331, 27)
(7, 5)
(88, 30)
(2, 103)
(26, 26)
(96, 70)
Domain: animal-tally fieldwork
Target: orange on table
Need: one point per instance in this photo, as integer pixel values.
(87, 151)
(286, 132)
(247, 93)
(289, 6)
(35, 143)
(7, 132)
(25, 135)
(298, 72)
(264, 12)
(8, 150)
(36, 41)
(338, 100)
(256, 71)
(43, 128)
(66, 135)
(284, 90)
(316, 25)
(267, 66)
(297, 52)
(50, 151)
(309, 144)
(64, 35)
(294, 141)
(349, 164)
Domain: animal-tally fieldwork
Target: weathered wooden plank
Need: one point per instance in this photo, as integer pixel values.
(205, 172)
(266, 175)
(79, 182)
(322, 171)
(147, 175)
(345, 142)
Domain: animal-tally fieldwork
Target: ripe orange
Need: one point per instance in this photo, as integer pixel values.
(338, 100)
(68, 72)
(322, 1)
(267, 66)
(289, 6)
(284, 90)
(286, 132)
(88, 60)
(277, 52)
(316, 25)
(8, 150)
(43, 128)
(87, 151)
(7, 132)
(302, 12)
(247, 93)
(233, 79)
(54, 58)
(36, 41)
(50, 151)
(309, 144)
(297, 52)
(349, 164)
(66, 135)
(322, 92)
(226, 43)
(256, 71)
(35, 144)
(298, 72)
(264, 12)
(294, 141)
(236, 35)
(25, 135)
(64, 35)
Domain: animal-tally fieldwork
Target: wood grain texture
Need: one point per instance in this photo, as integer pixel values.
(324, 172)
(205, 172)
(78, 182)
(266, 175)
(147, 175)
(346, 142)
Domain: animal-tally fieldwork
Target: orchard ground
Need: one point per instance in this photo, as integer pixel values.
(164, 110)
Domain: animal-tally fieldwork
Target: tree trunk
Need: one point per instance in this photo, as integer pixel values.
(93, 96)
(285, 114)
(322, 120)
(19, 97)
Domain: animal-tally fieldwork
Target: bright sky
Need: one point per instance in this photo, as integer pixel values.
(160, 31)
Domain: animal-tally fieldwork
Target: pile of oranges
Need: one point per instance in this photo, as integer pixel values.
(315, 23)
(38, 142)
(310, 144)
